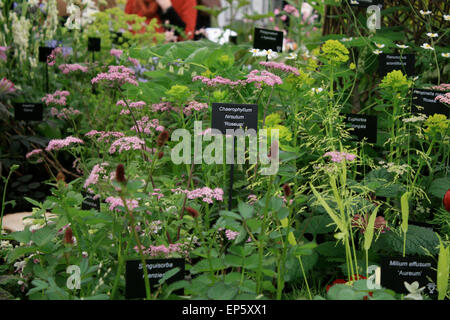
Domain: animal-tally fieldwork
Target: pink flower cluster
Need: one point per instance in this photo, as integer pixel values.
(126, 143)
(115, 202)
(95, 174)
(58, 98)
(156, 192)
(57, 144)
(231, 235)
(116, 53)
(207, 194)
(163, 106)
(51, 58)
(280, 66)
(259, 77)
(442, 87)
(145, 125)
(122, 103)
(338, 157)
(6, 86)
(135, 62)
(291, 10)
(3, 53)
(33, 153)
(445, 98)
(164, 251)
(105, 134)
(67, 68)
(117, 75)
(194, 105)
(217, 80)
(65, 113)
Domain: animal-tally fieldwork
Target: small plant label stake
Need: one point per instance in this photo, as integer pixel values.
(265, 39)
(234, 116)
(28, 111)
(395, 271)
(94, 45)
(390, 62)
(156, 269)
(89, 202)
(364, 126)
(44, 52)
(364, 3)
(424, 102)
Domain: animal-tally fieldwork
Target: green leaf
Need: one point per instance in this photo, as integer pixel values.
(222, 291)
(317, 224)
(245, 210)
(331, 213)
(18, 252)
(21, 236)
(205, 266)
(439, 187)
(230, 214)
(405, 211)
(233, 261)
(43, 235)
(442, 270)
(169, 274)
(368, 235)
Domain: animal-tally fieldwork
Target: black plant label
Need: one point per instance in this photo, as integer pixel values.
(268, 39)
(156, 268)
(44, 52)
(94, 44)
(363, 126)
(389, 62)
(234, 116)
(89, 202)
(395, 271)
(28, 111)
(424, 102)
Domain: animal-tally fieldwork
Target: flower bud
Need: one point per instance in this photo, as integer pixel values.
(162, 138)
(287, 190)
(160, 154)
(68, 236)
(194, 213)
(446, 200)
(120, 173)
(60, 177)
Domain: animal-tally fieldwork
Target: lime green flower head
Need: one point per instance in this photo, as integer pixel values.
(335, 52)
(219, 95)
(272, 120)
(395, 81)
(437, 123)
(178, 92)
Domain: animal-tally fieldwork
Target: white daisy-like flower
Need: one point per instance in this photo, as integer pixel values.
(414, 291)
(446, 54)
(402, 46)
(292, 56)
(377, 51)
(427, 46)
(254, 51)
(316, 90)
(415, 78)
(379, 45)
(354, 2)
(425, 13)
(347, 39)
(447, 17)
(432, 35)
(271, 54)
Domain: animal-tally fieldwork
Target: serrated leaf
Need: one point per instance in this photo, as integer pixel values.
(222, 291)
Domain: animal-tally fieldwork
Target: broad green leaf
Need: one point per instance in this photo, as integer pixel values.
(222, 291)
(330, 211)
(18, 252)
(245, 210)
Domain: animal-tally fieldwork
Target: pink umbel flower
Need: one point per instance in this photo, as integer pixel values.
(116, 53)
(218, 81)
(445, 98)
(194, 106)
(260, 77)
(291, 10)
(115, 202)
(95, 174)
(92, 133)
(3, 53)
(146, 125)
(126, 143)
(134, 61)
(231, 235)
(67, 68)
(58, 97)
(104, 135)
(65, 113)
(338, 157)
(117, 75)
(205, 194)
(163, 251)
(280, 66)
(162, 107)
(7, 87)
(51, 58)
(57, 144)
(442, 87)
(33, 153)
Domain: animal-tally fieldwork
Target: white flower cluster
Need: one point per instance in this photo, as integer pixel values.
(51, 23)
(262, 53)
(420, 117)
(21, 33)
(392, 167)
(80, 18)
